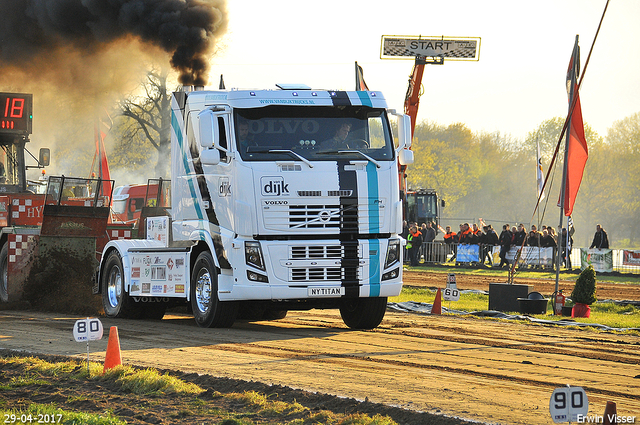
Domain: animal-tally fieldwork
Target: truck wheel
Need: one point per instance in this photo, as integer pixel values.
(116, 302)
(363, 313)
(4, 268)
(208, 310)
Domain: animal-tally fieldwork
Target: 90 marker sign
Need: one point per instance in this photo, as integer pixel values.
(567, 403)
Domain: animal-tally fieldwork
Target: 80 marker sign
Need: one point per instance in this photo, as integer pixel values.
(89, 329)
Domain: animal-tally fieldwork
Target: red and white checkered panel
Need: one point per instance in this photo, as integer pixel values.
(26, 210)
(20, 246)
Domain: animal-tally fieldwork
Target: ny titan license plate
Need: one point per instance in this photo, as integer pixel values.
(326, 291)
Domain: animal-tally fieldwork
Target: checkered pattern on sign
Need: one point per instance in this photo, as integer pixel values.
(399, 47)
(457, 53)
(18, 245)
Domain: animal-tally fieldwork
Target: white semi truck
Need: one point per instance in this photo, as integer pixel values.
(282, 200)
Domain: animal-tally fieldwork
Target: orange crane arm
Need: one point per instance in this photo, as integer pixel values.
(412, 99)
(411, 103)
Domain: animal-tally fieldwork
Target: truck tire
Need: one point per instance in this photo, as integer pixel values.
(208, 310)
(363, 313)
(4, 268)
(116, 302)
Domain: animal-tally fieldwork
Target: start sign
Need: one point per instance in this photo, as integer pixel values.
(450, 48)
(89, 329)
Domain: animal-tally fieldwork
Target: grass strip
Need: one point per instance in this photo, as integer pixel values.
(603, 313)
(248, 406)
(49, 414)
(445, 269)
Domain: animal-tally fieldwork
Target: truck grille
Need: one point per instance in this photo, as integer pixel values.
(319, 274)
(322, 217)
(316, 274)
(343, 217)
(314, 252)
(314, 216)
(348, 254)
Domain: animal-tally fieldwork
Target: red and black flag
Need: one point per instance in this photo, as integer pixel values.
(577, 150)
(360, 84)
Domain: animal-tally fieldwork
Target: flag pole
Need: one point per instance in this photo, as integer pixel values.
(565, 127)
(575, 58)
(538, 165)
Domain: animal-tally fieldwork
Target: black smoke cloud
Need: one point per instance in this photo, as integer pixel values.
(35, 31)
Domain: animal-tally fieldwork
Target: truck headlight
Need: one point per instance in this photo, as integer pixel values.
(392, 274)
(393, 253)
(253, 255)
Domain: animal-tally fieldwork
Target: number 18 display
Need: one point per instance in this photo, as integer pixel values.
(16, 114)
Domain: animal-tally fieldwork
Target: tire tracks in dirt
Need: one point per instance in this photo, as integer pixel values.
(486, 370)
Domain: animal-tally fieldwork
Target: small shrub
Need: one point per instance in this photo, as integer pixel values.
(585, 290)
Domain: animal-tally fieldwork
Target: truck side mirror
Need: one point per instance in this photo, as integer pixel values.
(210, 156)
(405, 157)
(404, 130)
(208, 127)
(44, 157)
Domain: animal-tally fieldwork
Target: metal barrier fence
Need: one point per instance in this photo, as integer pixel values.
(610, 260)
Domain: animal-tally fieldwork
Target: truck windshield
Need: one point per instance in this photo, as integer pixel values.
(314, 133)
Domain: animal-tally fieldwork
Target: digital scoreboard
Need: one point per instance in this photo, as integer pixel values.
(16, 113)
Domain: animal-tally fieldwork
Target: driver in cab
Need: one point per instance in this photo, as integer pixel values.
(339, 140)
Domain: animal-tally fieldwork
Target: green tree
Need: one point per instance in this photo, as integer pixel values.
(595, 192)
(547, 135)
(621, 175)
(507, 184)
(598, 190)
(446, 159)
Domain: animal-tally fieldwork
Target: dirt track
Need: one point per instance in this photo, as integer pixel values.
(484, 370)
(604, 291)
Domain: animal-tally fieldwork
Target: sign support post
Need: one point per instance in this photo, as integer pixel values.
(89, 329)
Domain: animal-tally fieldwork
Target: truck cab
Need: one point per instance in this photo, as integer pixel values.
(273, 209)
(422, 206)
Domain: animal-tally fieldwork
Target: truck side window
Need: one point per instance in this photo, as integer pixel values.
(222, 137)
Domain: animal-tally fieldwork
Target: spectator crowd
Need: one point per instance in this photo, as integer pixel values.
(419, 238)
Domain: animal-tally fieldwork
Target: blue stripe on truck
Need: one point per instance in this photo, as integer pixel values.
(175, 126)
(364, 98)
(374, 227)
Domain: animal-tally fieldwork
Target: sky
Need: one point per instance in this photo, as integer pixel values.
(517, 83)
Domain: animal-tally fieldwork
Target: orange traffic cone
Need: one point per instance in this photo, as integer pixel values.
(610, 413)
(437, 304)
(113, 357)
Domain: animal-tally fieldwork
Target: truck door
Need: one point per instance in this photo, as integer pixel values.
(219, 177)
(214, 181)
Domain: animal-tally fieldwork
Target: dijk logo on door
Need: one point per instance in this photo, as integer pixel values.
(274, 186)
